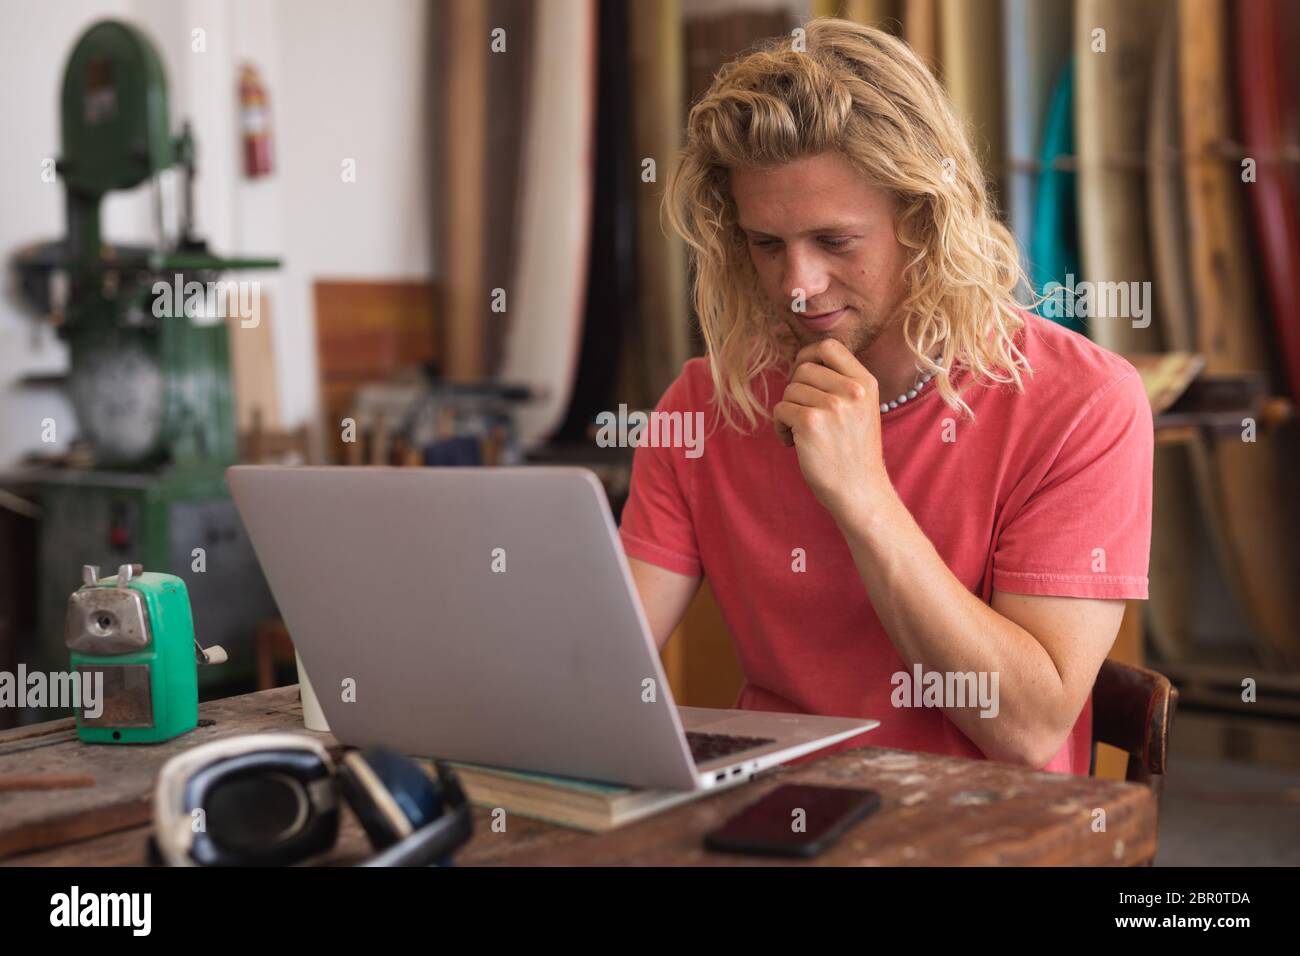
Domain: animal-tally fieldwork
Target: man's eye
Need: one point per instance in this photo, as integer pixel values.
(830, 242)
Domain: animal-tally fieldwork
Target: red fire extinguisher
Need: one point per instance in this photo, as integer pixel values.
(254, 123)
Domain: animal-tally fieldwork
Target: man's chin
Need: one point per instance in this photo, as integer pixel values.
(857, 340)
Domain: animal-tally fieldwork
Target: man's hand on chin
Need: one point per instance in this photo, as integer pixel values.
(830, 413)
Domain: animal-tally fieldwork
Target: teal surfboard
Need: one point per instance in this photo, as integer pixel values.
(1035, 42)
(1054, 242)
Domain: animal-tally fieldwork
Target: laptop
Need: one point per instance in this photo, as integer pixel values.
(488, 615)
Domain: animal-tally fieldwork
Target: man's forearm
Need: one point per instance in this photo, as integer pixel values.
(934, 621)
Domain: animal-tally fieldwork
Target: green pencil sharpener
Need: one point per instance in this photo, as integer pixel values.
(133, 637)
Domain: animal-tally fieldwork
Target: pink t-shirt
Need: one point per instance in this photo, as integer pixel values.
(1046, 492)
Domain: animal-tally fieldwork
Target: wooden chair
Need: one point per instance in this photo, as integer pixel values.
(274, 648)
(1132, 709)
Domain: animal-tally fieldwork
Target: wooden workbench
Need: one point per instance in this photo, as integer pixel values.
(935, 810)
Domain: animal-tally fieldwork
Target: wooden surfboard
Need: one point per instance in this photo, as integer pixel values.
(1268, 106)
(1112, 92)
(921, 29)
(547, 297)
(970, 56)
(1166, 208)
(1254, 480)
(1035, 41)
(1184, 514)
(1054, 241)
(884, 14)
(508, 74)
(466, 152)
(659, 80)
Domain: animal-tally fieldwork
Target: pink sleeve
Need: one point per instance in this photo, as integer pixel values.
(1085, 528)
(657, 525)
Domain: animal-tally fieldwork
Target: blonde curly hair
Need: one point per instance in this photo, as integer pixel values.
(859, 91)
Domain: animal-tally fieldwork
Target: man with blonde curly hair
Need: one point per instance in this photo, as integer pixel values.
(952, 491)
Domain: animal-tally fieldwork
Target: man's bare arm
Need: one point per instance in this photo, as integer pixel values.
(665, 596)
(1046, 650)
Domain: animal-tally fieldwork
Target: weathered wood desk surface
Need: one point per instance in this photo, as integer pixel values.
(935, 810)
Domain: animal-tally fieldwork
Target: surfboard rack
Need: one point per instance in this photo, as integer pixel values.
(1217, 686)
(1217, 406)
(1224, 151)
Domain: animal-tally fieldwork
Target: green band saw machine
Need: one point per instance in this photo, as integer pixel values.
(151, 386)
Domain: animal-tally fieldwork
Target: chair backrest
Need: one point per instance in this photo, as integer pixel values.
(259, 445)
(1133, 709)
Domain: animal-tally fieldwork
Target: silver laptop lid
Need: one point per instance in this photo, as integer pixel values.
(478, 614)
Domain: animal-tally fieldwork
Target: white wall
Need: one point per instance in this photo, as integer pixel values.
(345, 80)
(352, 82)
(33, 49)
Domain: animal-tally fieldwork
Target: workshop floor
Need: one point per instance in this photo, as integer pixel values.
(1222, 813)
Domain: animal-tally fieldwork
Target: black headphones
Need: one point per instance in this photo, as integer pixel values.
(273, 799)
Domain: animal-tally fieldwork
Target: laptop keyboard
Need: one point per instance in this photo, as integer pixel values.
(706, 747)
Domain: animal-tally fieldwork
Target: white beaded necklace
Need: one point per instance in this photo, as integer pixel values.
(909, 394)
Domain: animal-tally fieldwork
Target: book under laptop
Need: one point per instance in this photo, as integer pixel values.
(488, 616)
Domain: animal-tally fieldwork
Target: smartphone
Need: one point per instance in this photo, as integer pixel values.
(794, 820)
